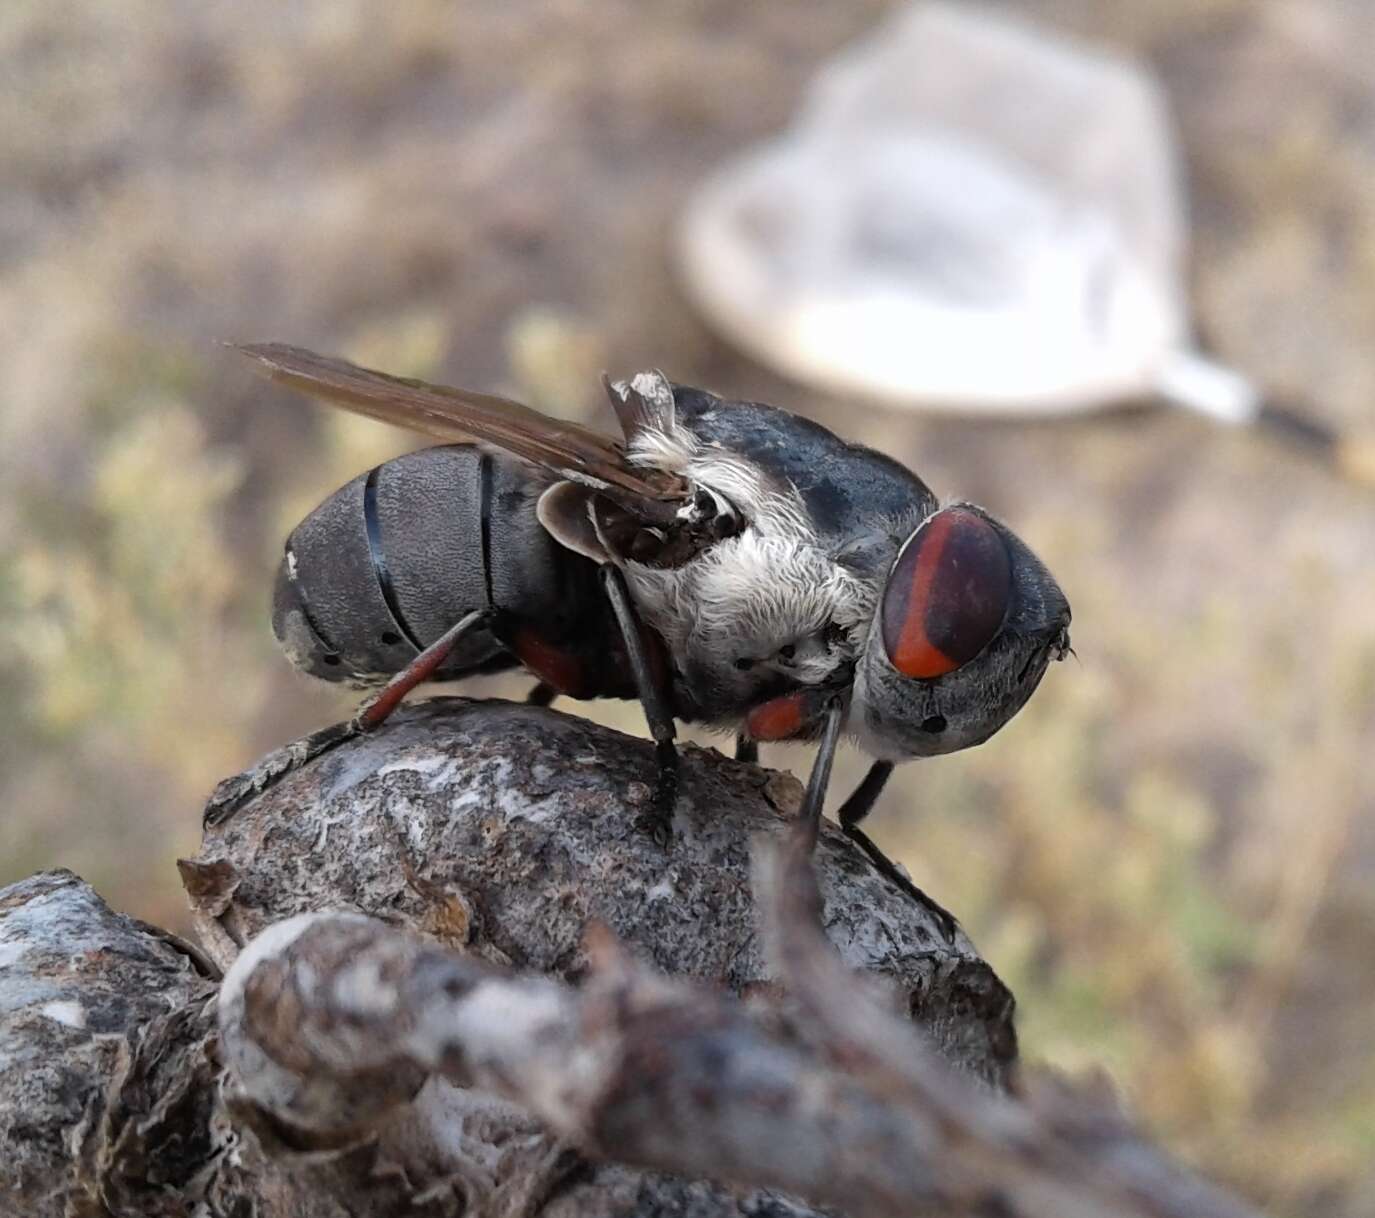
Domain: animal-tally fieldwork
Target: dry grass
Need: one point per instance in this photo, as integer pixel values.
(1169, 855)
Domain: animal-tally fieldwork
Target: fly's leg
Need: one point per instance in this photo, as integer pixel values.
(233, 793)
(378, 709)
(541, 694)
(815, 797)
(865, 796)
(854, 810)
(659, 820)
(746, 750)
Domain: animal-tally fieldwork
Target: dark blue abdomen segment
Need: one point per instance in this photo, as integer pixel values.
(846, 487)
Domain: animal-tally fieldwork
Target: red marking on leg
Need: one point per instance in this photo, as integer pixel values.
(417, 672)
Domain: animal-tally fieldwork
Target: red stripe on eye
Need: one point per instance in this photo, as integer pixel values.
(914, 654)
(947, 595)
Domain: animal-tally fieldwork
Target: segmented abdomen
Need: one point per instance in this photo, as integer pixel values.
(390, 561)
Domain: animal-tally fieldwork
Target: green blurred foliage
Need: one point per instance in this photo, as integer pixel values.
(1168, 855)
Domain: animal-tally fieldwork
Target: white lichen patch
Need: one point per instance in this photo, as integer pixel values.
(515, 806)
(412, 764)
(664, 890)
(70, 1014)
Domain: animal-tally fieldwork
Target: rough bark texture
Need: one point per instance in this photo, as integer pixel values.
(487, 1028)
(505, 829)
(329, 1021)
(109, 1096)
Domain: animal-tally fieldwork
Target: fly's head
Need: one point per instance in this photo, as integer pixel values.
(968, 621)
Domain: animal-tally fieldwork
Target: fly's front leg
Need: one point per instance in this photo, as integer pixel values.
(789, 717)
(815, 798)
(747, 750)
(659, 821)
(854, 810)
(864, 796)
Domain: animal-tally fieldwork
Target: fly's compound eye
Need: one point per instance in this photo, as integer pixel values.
(947, 594)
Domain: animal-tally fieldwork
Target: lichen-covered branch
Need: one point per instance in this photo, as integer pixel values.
(504, 830)
(1051, 1150)
(631, 1066)
(418, 1021)
(109, 1102)
(658, 1073)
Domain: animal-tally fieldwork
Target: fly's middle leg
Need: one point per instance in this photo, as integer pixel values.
(659, 819)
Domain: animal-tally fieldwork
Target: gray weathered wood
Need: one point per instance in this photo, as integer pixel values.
(505, 829)
(109, 1102)
(449, 1044)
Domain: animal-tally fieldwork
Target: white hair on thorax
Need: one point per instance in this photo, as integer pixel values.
(751, 594)
(748, 596)
(775, 508)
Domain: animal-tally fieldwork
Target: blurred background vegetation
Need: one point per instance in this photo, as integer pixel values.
(1169, 856)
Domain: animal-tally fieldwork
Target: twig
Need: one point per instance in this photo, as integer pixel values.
(651, 1072)
(1054, 1152)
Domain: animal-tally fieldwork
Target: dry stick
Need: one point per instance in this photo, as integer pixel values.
(325, 1010)
(1055, 1153)
(333, 1019)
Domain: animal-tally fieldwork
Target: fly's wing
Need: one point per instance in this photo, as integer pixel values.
(574, 452)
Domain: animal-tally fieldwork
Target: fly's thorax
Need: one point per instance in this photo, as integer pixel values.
(753, 616)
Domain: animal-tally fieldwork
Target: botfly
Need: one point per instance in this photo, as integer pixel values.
(726, 563)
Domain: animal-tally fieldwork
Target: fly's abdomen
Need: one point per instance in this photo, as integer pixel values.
(390, 561)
